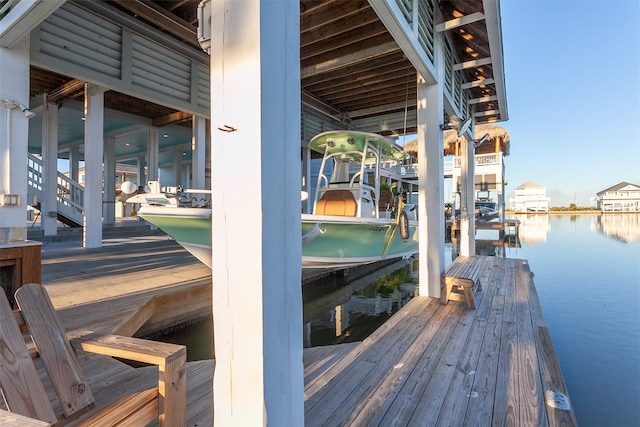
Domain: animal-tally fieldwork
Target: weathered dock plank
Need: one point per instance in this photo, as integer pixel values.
(430, 364)
(444, 365)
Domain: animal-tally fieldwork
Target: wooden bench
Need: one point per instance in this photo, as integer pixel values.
(461, 280)
(133, 397)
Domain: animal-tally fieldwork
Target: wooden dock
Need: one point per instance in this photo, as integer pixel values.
(430, 364)
(446, 365)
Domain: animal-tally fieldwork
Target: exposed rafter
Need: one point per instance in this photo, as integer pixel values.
(149, 11)
(459, 22)
(176, 117)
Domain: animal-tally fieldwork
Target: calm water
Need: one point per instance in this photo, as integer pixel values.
(587, 274)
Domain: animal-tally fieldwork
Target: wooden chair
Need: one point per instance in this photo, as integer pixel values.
(122, 399)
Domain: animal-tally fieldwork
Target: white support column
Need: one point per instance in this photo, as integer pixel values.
(467, 198)
(198, 152)
(430, 187)
(142, 177)
(153, 151)
(257, 298)
(177, 167)
(49, 202)
(14, 137)
(500, 185)
(109, 206)
(74, 162)
(93, 152)
(306, 177)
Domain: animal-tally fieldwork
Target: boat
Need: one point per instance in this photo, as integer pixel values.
(486, 210)
(184, 214)
(357, 218)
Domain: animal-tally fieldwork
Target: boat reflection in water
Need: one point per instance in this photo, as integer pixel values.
(347, 309)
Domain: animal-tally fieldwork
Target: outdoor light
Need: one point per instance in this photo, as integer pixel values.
(478, 142)
(457, 124)
(11, 104)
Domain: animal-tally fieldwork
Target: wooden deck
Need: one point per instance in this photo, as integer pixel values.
(446, 365)
(430, 364)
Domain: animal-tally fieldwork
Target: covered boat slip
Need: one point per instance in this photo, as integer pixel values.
(436, 364)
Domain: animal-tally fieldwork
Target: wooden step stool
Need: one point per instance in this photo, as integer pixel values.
(461, 280)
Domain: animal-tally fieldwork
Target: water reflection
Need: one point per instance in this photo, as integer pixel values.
(621, 227)
(337, 313)
(533, 228)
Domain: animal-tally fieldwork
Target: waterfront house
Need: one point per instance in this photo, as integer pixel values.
(622, 197)
(530, 197)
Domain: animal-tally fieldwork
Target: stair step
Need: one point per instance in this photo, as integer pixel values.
(108, 232)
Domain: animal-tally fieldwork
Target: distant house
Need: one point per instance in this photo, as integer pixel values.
(530, 197)
(622, 197)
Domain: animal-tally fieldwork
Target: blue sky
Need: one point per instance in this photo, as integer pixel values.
(573, 94)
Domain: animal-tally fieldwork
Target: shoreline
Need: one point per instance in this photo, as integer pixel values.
(570, 212)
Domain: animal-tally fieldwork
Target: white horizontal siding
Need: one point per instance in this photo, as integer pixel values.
(82, 44)
(91, 43)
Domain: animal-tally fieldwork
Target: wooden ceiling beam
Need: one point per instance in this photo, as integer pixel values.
(477, 83)
(176, 117)
(382, 109)
(361, 23)
(459, 22)
(395, 60)
(373, 93)
(337, 62)
(373, 98)
(388, 77)
(344, 41)
(71, 89)
(483, 99)
(146, 9)
(315, 14)
(364, 77)
(471, 64)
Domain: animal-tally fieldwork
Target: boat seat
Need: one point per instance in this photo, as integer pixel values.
(337, 202)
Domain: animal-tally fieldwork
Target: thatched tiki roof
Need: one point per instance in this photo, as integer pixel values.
(498, 140)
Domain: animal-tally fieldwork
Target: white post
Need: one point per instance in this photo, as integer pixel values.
(14, 137)
(109, 208)
(467, 198)
(430, 187)
(198, 152)
(74, 162)
(153, 151)
(142, 177)
(49, 203)
(177, 167)
(93, 151)
(306, 177)
(257, 297)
